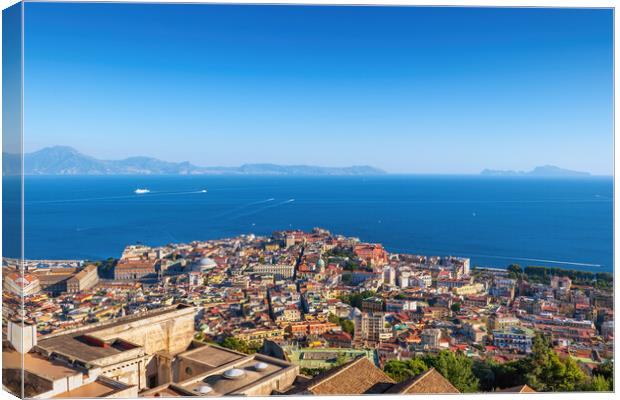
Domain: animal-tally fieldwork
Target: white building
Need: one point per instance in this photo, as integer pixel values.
(430, 338)
(422, 279)
(371, 327)
(403, 279)
(279, 271)
(389, 275)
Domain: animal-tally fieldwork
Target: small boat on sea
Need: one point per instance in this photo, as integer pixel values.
(141, 191)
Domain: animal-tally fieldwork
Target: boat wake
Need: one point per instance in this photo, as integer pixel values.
(260, 210)
(151, 193)
(500, 257)
(560, 262)
(138, 194)
(260, 202)
(580, 264)
(241, 208)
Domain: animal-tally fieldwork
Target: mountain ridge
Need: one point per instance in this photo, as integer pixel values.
(65, 160)
(540, 171)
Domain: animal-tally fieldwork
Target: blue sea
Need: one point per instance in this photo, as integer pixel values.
(494, 221)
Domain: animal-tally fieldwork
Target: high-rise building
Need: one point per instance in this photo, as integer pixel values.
(389, 275)
(371, 327)
(404, 279)
(514, 338)
(430, 338)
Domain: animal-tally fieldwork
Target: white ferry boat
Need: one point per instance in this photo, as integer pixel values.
(141, 191)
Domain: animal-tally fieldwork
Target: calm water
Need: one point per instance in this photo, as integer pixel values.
(495, 221)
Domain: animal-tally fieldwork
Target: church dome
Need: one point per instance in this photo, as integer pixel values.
(207, 263)
(203, 265)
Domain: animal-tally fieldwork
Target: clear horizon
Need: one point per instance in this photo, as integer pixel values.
(339, 166)
(406, 89)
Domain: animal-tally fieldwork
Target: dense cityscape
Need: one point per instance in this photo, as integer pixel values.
(296, 199)
(306, 307)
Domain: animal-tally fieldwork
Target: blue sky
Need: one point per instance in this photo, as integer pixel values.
(409, 90)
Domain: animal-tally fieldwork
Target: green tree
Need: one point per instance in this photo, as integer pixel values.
(341, 359)
(606, 369)
(509, 374)
(233, 343)
(401, 370)
(355, 299)
(348, 326)
(397, 370)
(540, 364)
(417, 366)
(457, 368)
(105, 268)
(573, 378)
(485, 372)
(543, 370)
(547, 373)
(599, 383)
(515, 270)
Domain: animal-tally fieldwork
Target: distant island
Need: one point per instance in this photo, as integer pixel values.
(64, 160)
(542, 171)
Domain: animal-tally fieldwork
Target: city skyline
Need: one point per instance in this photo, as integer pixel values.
(208, 200)
(302, 313)
(405, 89)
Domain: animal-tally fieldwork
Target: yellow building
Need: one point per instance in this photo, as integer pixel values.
(257, 336)
(468, 289)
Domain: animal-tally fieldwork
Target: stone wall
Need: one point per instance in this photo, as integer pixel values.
(186, 368)
(281, 382)
(170, 332)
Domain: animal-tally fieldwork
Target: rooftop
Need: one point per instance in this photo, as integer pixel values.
(359, 376)
(36, 364)
(518, 389)
(76, 344)
(167, 390)
(429, 381)
(235, 377)
(98, 388)
(212, 356)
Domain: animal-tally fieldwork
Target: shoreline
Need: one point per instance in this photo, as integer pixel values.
(504, 268)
